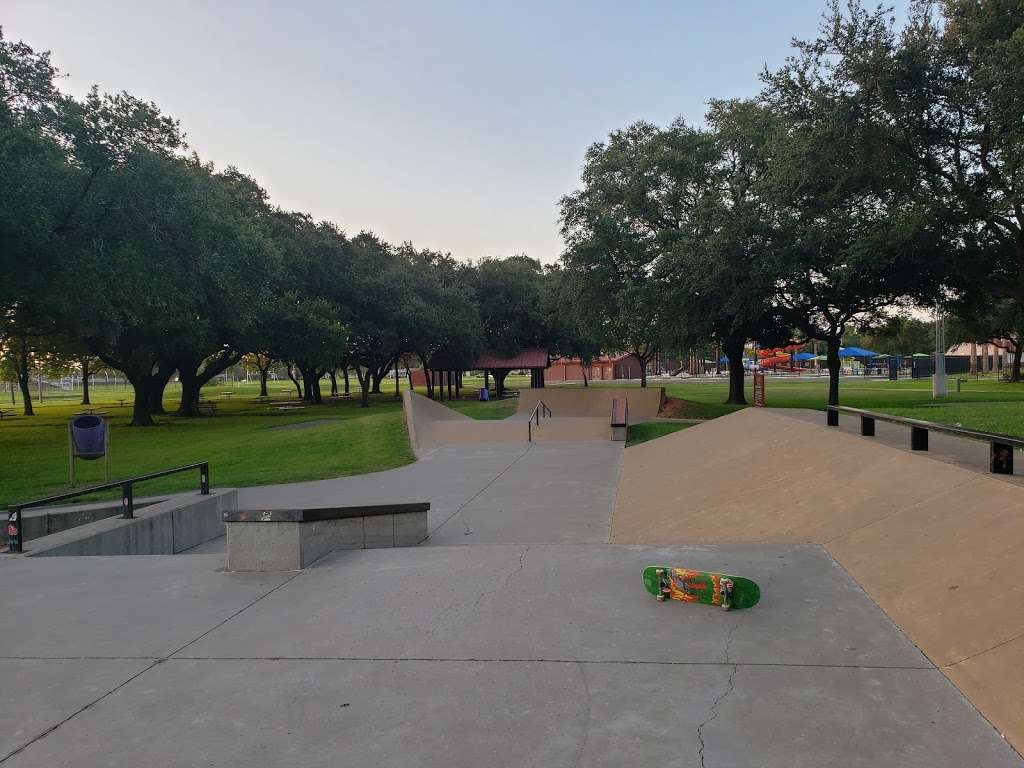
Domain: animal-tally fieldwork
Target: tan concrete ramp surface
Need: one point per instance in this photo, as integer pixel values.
(938, 547)
(592, 401)
(431, 424)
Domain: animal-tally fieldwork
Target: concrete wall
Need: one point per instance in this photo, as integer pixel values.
(165, 528)
(592, 401)
(288, 546)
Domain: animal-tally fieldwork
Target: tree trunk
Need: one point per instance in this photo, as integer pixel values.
(190, 388)
(311, 384)
(160, 381)
(295, 381)
(142, 408)
(344, 372)
(24, 383)
(364, 384)
(1015, 367)
(397, 377)
(832, 355)
(264, 372)
(499, 382)
(734, 352)
(334, 383)
(84, 362)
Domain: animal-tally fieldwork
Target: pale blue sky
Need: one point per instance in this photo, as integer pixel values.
(456, 125)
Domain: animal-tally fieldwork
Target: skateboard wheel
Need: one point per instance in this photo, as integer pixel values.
(661, 598)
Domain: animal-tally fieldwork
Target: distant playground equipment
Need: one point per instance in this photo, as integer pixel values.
(706, 587)
(88, 439)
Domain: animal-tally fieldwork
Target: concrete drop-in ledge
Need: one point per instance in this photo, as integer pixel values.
(292, 539)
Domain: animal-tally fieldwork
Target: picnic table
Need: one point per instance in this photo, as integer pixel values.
(121, 401)
(286, 407)
(5, 412)
(90, 411)
(227, 394)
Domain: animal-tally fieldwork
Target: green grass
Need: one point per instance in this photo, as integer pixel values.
(246, 443)
(649, 430)
(492, 409)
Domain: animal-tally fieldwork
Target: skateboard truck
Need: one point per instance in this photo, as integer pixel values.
(663, 585)
(726, 591)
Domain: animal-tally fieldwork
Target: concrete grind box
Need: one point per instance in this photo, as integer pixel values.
(292, 539)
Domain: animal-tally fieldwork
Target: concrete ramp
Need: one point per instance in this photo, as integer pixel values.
(592, 401)
(938, 547)
(431, 425)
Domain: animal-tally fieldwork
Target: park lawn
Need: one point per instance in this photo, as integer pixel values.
(491, 409)
(246, 444)
(649, 430)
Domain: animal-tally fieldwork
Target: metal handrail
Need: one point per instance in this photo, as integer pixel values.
(15, 532)
(1000, 446)
(538, 411)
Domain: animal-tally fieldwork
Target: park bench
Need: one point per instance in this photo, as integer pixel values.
(291, 539)
(1001, 447)
(5, 412)
(207, 407)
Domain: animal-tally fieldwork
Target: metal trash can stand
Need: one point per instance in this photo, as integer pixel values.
(89, 439)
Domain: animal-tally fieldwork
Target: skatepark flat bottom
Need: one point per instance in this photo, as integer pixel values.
(495, 654)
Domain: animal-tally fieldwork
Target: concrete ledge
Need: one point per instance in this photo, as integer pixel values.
(164, 528)
(292, 539)
(43, 521)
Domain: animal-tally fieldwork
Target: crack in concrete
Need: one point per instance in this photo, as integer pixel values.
(504, 582)
(730, 685)
(586, 716)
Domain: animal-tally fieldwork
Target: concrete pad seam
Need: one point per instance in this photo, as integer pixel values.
(77, 712)
(489, 483)
(615, 496)
(138, 674)
(982, 652)
(899, 629)
(498, 660)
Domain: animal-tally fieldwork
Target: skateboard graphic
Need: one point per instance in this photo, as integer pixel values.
(701, 587)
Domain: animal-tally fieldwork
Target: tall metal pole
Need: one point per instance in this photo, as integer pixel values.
(939, 378)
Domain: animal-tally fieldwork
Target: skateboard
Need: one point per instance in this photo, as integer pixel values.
(701, 587)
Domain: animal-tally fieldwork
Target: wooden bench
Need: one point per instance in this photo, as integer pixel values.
(291, 539)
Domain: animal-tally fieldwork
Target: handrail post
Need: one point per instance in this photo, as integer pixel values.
(15, 537)
(127, 501)
(529, 430)
(204, 479)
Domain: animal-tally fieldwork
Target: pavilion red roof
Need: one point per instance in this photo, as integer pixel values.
(527, 358)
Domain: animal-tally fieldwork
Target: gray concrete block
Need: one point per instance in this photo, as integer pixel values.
(410, 529)
(319, 538)
(264, 547)
(202, 519)
(379, 531)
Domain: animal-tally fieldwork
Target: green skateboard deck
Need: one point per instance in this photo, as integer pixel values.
(701, 587)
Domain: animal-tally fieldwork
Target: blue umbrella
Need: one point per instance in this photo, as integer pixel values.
(856, 352)
(800, 356)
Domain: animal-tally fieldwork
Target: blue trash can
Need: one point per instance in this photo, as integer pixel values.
(89, 437)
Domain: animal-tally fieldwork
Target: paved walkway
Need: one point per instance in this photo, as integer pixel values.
(534, 646)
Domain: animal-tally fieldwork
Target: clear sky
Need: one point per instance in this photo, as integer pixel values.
(455, 125)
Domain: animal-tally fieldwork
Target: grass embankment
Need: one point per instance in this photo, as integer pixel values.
(649, 430)
(247, 443)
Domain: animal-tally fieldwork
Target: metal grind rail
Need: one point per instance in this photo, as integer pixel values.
(15, 531)
(540, 409)
(1000, 457)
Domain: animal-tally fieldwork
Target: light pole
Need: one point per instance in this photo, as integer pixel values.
(939, 378)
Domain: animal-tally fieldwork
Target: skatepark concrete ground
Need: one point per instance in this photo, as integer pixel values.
(519, 634)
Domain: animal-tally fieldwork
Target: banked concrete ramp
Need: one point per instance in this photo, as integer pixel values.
(431, 425)
(939, 548)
